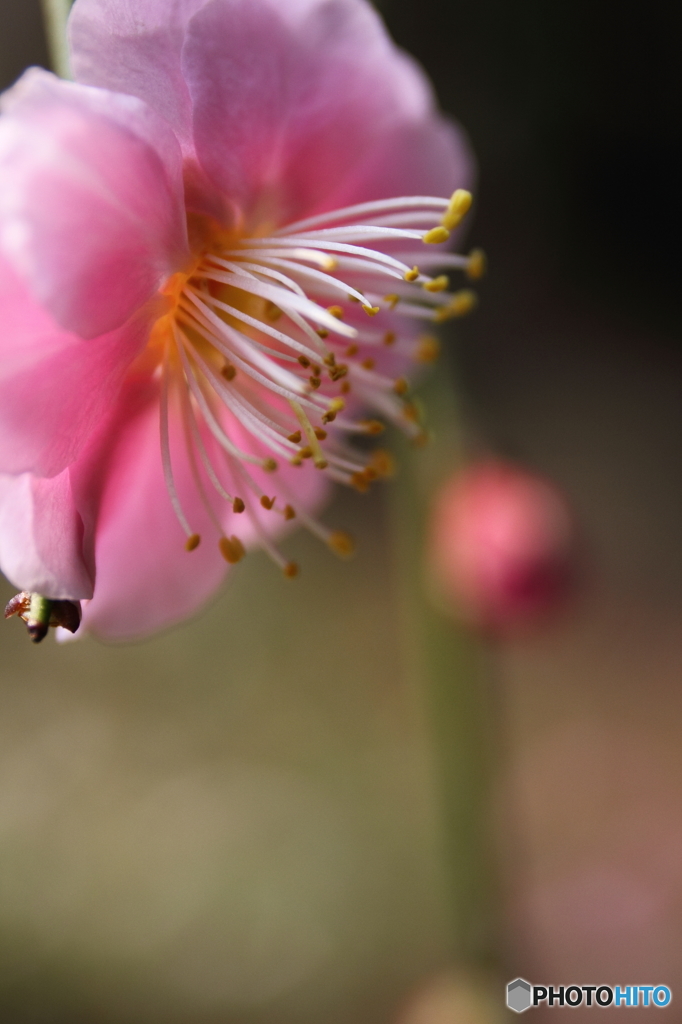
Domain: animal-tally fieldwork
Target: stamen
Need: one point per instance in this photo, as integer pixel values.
(192, 541)
(316, 451)
(437, 284)
(460, 304)
(232, 549)
(476, 264)
(428, 349)
(290, 569)
(280, 296)
(211, 422)
(363, 209)
(459, 205)
(195, 437)
(436, 235)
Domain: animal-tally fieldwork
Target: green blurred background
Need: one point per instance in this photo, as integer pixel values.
(239, 822)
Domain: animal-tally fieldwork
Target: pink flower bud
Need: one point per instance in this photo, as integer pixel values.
(502, 546)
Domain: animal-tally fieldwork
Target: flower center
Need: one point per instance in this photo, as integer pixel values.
(271, 340)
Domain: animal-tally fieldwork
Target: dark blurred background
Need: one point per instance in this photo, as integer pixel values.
(572, 365)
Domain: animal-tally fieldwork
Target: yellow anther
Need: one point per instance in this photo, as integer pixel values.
(335, 406)
(401, 386)
(459, 205)
(438, 284)
(383, 463)
(337, 372)
(412, 275)
(460, 304)
(320, 434)
(320, 463)
(272, 312)
(352, 350)
(315, 370)
(290, 570)
(228, 371)
(296, 461)
(289, 512)
(320, 331)
(373, 427)
(238, 506)
(306, 453)
(389, 338)
(314, 382)
(329, 360)
(392, 300)
(476, 265)
(367, 364)
(345, 388)
(428, 349)
(341, 543)
(329, 263)
(295, 437)
(232, 549)
(353, 298)
(267, 502)
(436, 235)
(269, 465)
(336, 311)
(304, 361)
(193, 542)
(371, 310)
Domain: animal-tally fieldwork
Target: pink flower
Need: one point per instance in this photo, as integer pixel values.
(502, 546)
(206, 280)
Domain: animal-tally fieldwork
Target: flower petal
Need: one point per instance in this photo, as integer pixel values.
(41, 537)
(91, 201)
(145, 578)
(294, 125)
(135, 48)
(55, 388)
(430, 157)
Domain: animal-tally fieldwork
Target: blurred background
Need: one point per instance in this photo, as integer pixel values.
(240, 822)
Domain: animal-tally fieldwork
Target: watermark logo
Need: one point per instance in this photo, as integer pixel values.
(521, 995)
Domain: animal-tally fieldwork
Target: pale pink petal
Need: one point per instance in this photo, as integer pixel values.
(288, 102)
(91, 202)
(135, 48)
(431, 157)
(146, 580)
(55, 388)
(41, 537)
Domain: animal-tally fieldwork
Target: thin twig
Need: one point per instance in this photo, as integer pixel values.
(55, 15)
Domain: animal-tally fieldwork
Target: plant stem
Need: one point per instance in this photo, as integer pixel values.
(449, 670)
(55, 15)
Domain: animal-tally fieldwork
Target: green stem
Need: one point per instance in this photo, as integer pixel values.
(55, 16)
(448, 667)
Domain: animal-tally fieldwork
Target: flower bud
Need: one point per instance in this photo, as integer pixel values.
(502, 546)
